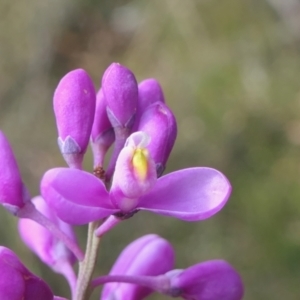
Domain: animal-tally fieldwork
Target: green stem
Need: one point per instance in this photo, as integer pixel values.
(86, 267)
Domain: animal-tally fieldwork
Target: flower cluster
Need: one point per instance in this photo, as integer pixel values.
(135, 119)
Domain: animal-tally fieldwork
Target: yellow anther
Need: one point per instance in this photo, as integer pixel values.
(140, 162)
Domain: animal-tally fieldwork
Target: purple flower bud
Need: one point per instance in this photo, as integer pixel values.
(102, 135)
(135, 172)
(13, 194)
(74, 108)
(17, 282)
(159, 122)
(211, 280)
(150, 92)
(149, 255)
(121, 95)
(48, 248)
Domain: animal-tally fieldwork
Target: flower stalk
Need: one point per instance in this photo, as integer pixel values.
(86, 267)
(28, 211)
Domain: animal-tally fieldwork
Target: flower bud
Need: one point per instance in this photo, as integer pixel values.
(159, 122)
(17, 282)
(74, 108)
(135, 172)
(102, 135)
(150, 92)
(121, 95)
(13, 194)
(149, 255)
(43, 243)
(211, 280)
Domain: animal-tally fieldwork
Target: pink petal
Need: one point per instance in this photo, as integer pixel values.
(42, 242)
(76, 196)
(191, 194)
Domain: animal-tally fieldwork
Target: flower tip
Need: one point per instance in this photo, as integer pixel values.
(138, 139)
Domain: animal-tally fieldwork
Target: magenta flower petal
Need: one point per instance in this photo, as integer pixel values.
(149, 255)
(13, 194)
(17, 282)
(211, 280)
(190, 194)
(76, 196)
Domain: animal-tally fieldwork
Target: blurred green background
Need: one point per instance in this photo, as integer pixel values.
(230, 71)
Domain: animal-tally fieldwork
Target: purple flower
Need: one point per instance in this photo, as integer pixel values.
(17, 282)
(190, 194)
(50, 250)
(210, 280)
(149, 255)
(135, 173)
(13, 194)
(74, 107)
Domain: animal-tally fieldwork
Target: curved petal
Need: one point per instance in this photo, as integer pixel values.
(76, 196)
(191, 194)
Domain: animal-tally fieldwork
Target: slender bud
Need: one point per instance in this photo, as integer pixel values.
(211, 280)
(121, 95)
(43, 243)
(17, 282)
(13, 194)
(149, 255)
(102, 135)
(135, 172)
(160, 124)
(74, 108)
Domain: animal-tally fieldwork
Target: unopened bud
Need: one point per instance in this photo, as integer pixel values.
(74, 107)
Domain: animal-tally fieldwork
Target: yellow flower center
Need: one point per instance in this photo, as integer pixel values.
(140, 162)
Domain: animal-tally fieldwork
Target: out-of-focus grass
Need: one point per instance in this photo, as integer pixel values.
(230, 71)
